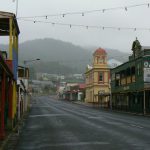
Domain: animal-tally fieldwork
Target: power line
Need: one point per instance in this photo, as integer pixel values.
(16, 6)
(82, 13)
(86, 26)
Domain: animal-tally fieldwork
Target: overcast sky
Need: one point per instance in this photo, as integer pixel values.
(122, 40)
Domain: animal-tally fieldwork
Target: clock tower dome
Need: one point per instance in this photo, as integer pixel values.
(99, 57)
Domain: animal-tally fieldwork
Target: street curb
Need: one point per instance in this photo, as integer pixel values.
(5, 142)
(117, 111)
(3, 145)
(13, 132)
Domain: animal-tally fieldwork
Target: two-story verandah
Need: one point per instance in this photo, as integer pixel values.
(130, 84)
(9, 28)
(6, 85)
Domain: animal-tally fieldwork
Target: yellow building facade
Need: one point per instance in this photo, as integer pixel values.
(97, 79)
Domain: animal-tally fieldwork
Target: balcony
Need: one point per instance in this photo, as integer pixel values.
(128, 79)
(133, 78)
(123, 81)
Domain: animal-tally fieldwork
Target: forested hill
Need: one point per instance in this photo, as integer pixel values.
(59, 56)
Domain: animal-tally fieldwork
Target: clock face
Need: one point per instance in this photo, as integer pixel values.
(146, 64)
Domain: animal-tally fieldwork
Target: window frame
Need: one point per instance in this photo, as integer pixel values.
(99, 76)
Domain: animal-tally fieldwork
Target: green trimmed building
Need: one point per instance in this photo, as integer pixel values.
(130, 82)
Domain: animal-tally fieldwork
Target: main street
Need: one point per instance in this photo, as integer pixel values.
(60, 125)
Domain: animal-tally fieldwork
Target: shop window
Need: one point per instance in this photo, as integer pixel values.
(123, 74)
(117, 76)
(139, 69)
(128, 72)
(117, 82)
(133, 74)
(113, 76)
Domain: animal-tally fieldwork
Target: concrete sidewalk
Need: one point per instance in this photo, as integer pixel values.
(11, 140)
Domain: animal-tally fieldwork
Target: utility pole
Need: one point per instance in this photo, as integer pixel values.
(144, 105)
(16, 7)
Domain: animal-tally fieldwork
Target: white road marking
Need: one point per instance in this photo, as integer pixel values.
(47, 115)
(79, 144)
(137, 126)
(66, 144)
(40, 106)
(114, 123)
(95, 117)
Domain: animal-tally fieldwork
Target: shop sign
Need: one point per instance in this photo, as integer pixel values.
(117, 76)
(146, 74)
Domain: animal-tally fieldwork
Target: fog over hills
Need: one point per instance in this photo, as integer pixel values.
(61, 57)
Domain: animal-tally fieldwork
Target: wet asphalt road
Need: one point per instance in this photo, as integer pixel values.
(61, 125)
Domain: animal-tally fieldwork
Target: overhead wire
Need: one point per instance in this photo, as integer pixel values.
(70, 25)
(82, 13)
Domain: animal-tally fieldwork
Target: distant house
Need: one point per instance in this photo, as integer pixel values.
(49, 77)
(81, 92)
(60, 89)
(74, 91)
(78, 76)
(112, 63)
(68, 91)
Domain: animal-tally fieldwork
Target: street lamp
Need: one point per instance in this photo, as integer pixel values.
(25, 63)
(26, 81)
(16, 6)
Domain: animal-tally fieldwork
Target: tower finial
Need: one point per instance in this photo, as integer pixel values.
(136, 38)
(136, 48)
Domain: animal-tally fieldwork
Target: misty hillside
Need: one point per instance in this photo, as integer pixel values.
(56, 55)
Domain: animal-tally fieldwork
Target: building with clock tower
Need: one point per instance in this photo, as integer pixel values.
(97, 79)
